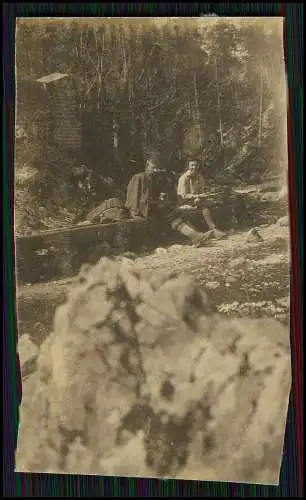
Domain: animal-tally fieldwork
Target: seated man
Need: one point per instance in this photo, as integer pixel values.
(192, 194)
(139, 191)
(144, 200)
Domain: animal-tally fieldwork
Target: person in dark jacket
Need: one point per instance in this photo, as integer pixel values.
(138, 192)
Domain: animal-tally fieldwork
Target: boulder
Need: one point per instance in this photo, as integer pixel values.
(140, 377)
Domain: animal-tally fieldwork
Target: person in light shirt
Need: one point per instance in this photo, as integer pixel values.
(192, 194)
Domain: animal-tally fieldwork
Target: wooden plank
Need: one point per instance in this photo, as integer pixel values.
(59, 254)
(52, 77)
(84, 233)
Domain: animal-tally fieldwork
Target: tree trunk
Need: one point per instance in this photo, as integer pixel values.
(115, 135)
(219, 105)
(198, 115)
(260, 108)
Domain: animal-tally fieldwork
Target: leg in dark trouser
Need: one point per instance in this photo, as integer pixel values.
(187, 230)
(208, 219)
(211, 225)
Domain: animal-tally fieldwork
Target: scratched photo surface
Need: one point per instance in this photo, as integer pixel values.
(152, 247)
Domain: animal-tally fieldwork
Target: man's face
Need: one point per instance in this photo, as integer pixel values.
(151, 166)
(193, 168)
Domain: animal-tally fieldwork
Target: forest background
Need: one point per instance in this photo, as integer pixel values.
(212, 88)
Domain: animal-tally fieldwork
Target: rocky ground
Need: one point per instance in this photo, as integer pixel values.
(243, 277)
(144, 373)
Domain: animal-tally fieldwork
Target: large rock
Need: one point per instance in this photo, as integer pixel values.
(141, 378)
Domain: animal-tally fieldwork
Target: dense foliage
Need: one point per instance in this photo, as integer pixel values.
(215, 89)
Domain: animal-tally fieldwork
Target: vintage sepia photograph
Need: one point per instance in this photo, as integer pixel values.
(152, 247)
